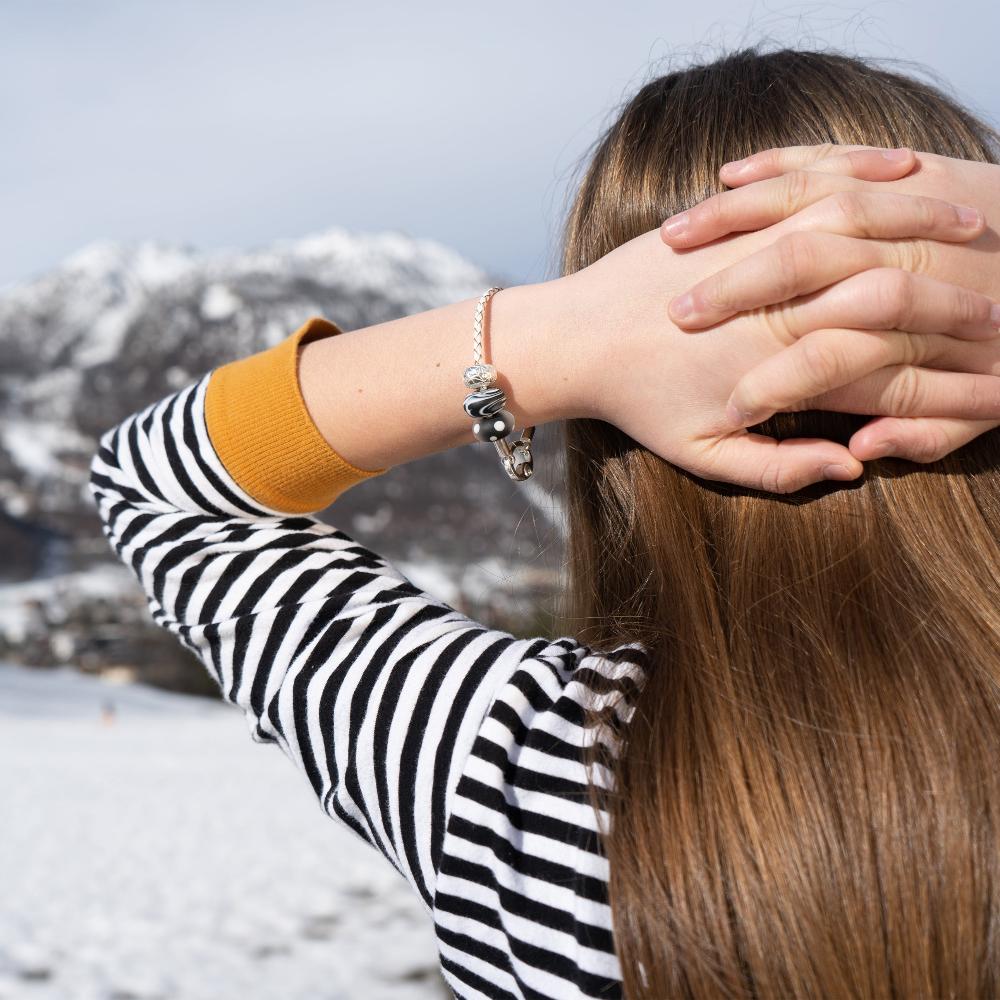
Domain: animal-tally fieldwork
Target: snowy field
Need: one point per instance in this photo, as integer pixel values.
(162, 855)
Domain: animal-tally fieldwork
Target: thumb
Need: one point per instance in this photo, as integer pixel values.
(764, 463)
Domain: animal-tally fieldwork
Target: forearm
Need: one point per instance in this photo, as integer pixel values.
(297, 424)
(391, 393)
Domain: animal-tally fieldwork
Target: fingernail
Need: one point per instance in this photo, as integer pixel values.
(682, 306)
(736, 166)
(837, 472)
(995, 315)
(677, 225)
(969, 217)
(896, 155)
(735, 415)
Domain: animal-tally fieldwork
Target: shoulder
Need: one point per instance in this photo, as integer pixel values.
(562, 680)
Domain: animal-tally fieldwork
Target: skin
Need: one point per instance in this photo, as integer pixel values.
(600, 343)
(792, 193)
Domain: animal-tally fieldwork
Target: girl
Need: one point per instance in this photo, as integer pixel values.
(761, 759)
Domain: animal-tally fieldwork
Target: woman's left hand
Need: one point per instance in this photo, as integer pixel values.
(809, 198)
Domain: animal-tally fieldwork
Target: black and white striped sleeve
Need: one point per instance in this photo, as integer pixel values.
(375, 689)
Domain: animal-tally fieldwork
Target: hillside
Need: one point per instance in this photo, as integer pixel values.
(115, 327)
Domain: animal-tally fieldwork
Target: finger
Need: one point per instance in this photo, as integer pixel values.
(907, 391)
(919, 439)
(887, 215)
(763, 463)
(802, 376)
(864, 162)
(792, 266)
(851, 210)
(749, 208)
(886, 298)
(818, 363)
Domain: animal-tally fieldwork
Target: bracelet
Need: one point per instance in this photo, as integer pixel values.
(485, 404)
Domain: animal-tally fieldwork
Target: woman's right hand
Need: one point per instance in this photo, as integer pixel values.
(803, 199)
(668, 389)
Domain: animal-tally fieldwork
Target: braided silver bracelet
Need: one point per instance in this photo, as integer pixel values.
(485, 404)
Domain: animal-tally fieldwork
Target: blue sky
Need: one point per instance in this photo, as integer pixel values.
(217, 123)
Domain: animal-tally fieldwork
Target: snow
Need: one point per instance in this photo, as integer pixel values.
(150, 263)
(32, 454)
(65, 693)
(56, 597)
(107, 333)
(493, 582)
(159, 853)
(50, 387)
(219, 302)
(34, 445)
(389, 261)
(114, 282)
(375, 522)
(435, 577)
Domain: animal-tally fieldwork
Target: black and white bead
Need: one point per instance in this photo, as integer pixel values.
(484, 402)
(495, 426)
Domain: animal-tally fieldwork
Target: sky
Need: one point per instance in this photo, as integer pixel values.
(231, 124)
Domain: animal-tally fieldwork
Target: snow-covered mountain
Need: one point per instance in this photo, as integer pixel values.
(118, 326)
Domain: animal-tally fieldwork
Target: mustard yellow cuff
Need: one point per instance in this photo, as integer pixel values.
(263, 434)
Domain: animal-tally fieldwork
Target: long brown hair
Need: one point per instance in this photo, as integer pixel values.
(806, 802)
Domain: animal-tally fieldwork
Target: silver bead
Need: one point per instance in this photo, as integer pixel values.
(520, 456)
(484, 402)
(479, 376)
(494, 427)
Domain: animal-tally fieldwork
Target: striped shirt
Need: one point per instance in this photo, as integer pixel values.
(453, 749)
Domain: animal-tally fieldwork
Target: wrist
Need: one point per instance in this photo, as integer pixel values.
(532, 338)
